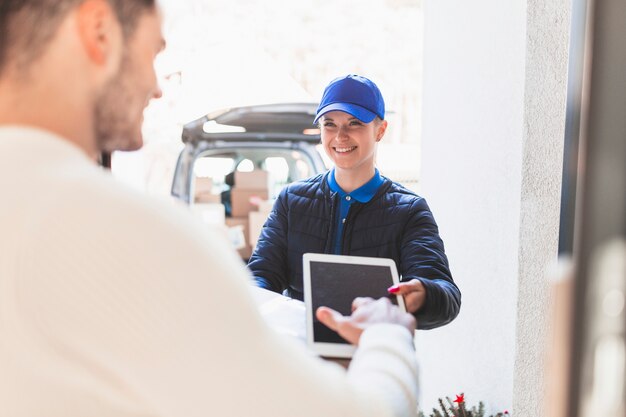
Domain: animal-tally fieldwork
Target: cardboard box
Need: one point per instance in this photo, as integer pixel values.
(203, 185)
(256, 221)
(203, 191)
(245, 252)
(208, 198)
(214, 214)
(238, 231)
(239, 225)
(240, 200)
(266, 206)
(253, 180)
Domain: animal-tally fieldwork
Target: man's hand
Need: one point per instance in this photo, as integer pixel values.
(414, 294)
(365, 312)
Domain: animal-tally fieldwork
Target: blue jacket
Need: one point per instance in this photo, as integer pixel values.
(396, 223)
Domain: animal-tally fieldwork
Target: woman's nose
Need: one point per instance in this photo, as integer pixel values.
(342, 134)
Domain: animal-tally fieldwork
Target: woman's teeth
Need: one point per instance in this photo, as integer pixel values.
(342, 150)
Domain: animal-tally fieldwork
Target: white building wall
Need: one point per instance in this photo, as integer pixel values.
(542, 160)
(494, 90)
(471, 176)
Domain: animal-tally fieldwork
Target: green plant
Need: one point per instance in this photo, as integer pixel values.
(449, 409)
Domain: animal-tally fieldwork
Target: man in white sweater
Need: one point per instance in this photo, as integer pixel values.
(114, 305)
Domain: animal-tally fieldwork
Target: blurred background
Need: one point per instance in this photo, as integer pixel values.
(226, 54)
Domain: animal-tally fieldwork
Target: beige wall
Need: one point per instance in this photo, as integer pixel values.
(494, 90)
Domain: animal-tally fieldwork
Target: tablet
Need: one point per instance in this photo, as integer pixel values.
(335, 281)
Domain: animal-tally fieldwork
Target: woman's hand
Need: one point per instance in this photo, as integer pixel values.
(414, 294)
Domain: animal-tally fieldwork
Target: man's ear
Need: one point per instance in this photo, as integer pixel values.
(100, 32)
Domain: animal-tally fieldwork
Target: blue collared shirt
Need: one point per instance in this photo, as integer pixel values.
(363, 194)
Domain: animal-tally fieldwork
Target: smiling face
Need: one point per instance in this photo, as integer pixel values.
(350, 143)
(119, 109)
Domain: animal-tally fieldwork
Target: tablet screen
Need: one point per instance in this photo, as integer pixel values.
(336, 285)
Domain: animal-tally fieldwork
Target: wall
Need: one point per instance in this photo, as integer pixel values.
(542, 159)
(491, 166)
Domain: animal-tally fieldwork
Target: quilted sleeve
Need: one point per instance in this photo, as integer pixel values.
(423, 257)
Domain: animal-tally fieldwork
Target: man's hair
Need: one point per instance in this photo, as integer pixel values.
(26, 26)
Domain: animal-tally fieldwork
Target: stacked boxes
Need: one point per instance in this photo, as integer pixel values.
(210, 213)
(207, 205)
(238, 235)
(249, 186)
(204, 191)
(249, 208)
(249, 189)
(256, 220)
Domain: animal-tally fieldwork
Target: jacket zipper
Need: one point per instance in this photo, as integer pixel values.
(331, 229)
(354, 209)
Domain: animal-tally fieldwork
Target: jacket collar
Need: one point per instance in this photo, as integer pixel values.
(364, 193)
(325, 187)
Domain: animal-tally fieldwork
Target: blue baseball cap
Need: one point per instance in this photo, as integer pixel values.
(354, 95)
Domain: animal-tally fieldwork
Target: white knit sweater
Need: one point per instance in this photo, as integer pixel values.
(114, 304)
